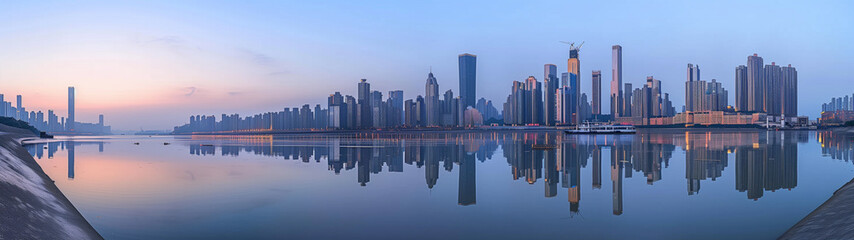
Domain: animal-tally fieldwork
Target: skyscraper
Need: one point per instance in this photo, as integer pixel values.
(69, 123)
(596, 86)
(396, 112)
(773, 89)
(552, 84)
(616, 81)
(20, 113)
(468, 76)
(431, 99)
(627, 100)
(755, 84)
(364, 102)
(535, 95)
(574, 68)
(741, 96)
(691, 87)
(790, 91)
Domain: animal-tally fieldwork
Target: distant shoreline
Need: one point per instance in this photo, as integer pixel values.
(642, 129)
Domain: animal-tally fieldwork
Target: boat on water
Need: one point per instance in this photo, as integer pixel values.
(587, 128)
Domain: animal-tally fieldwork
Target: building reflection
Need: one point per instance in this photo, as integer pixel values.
(837, 145)
(764, 160)
(51, 148)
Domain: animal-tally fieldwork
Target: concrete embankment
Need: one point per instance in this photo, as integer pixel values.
(31, 206)
(834, 219)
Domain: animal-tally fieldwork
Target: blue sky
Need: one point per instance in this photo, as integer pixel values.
(135, 60)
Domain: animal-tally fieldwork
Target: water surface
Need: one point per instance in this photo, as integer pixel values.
(470, 185)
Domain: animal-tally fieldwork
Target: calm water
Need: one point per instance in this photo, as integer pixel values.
(720, 185)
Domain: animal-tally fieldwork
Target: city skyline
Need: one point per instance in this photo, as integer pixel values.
(173, 70)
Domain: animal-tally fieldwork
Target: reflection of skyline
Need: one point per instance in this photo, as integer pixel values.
(38, 151)
(764, 161)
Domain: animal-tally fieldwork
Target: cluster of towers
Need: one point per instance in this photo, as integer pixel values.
(839, 104)
(560, 101)
(50, 122)
(368, 110)
(770, 89)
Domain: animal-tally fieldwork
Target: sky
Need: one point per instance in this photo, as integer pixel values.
(151, 64)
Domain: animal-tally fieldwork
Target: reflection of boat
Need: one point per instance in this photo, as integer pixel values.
(207, 145)
(587, 128)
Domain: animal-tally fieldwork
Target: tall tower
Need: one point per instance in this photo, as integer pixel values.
(616, 81)
(574, 68)
(431, 99)
(534, 93)
(468, 76)
(20, 114)
(596, 85)
(364, 101)
(691, 83)
(552, 84)
(741, 88)
(790, 92)
(755, 84)
(773, 89)
(70, 122)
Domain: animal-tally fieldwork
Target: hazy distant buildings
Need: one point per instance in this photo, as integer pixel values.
(468, 79)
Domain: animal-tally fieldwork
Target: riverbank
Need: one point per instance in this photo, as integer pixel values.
(834, 219)
(32, 206)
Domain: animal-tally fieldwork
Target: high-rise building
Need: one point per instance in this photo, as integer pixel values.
(773, 89)
(552, 84)
(616, 81)
(364, 101)
(431, 99)
(691, 87)
(534, 100)
(337, 111)
(20, 113)
(627, 100)
(654, 95)
(396, 111)
(70, 122)
(790, 92)
(741, 88)
(596, 85)
(468, 76)
(755, 84)
(574, 68)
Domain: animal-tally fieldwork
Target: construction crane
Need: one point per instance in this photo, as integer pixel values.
(572, 45)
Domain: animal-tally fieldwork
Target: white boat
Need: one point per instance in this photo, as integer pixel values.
(587, 128)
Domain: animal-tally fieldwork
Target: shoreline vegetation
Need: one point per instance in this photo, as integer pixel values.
(32, 206)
